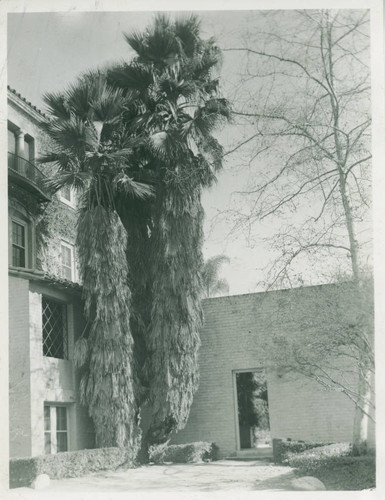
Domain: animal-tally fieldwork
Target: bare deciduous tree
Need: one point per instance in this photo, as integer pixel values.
(304, 101)
(328, 340)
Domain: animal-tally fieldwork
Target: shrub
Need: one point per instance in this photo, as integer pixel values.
(22, 471)
(183, 453)
(348, 473)
(283, 448)
(335, 466)
(313, 458)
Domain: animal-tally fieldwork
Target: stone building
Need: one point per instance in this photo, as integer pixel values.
(45, 318)
(44, 299)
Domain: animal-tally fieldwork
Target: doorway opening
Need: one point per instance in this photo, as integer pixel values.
(253, 410)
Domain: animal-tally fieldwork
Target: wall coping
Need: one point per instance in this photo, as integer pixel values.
(298, 289)
(50, 279)
(21, 102)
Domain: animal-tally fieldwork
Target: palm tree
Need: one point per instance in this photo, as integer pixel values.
(92, 153)
(174, 107)
(212, 284)
(144, 127)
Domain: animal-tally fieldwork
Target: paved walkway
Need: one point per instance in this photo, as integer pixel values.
(216, 476)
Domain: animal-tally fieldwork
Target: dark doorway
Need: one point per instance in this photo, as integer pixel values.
(253, 410)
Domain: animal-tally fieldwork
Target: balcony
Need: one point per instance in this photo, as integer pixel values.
(26, 175)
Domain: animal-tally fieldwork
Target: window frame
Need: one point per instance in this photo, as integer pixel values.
(65, 337)
(71, 247)
(53, 430)
(69, 202)
(30, 141)
(15, 220)
(11, 131)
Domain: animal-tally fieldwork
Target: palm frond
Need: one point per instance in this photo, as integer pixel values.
(220, 288)
(211, 87)
(77, 180)
(219, 106)
(107, 105)
(92, 132)
(204, 171)
(57, 105)
(78, 97)
(114, 158)
(161, 43)
(61, 159)
(131, 187)
(202, 66)
(168, 146)
(157, 44)
(174, 88)
(187, 30)
(70, 134)
(211, 282)
(134, 77)
(203, 123)
(136, 41)
(81, 352)
(208, 117)
(211, 148)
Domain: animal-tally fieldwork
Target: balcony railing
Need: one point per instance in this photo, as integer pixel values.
(26, 174)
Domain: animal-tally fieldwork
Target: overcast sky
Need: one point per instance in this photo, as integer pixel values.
(46, 51)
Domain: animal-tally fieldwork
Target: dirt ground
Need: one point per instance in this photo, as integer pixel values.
(207, 477)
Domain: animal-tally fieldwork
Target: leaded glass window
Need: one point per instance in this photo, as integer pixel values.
(55, 332)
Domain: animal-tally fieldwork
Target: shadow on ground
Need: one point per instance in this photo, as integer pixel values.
(222, 475)
(276, 483)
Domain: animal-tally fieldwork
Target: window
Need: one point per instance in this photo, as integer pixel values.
(55, 332)
(47, 429)
(55, 429)
(66, 193)
(29, 148)
(18, 244)
(67, 261)
(11, 142)
(67, 196)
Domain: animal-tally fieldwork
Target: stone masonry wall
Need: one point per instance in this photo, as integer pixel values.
(58, 221)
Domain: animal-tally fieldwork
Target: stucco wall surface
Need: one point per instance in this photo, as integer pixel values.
(19, 369)
(36, 379)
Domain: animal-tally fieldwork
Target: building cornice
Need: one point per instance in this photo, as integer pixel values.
(46, 278)
(21, 102)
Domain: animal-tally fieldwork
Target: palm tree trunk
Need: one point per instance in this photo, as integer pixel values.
(176, 314)
(136, 218)
(107, 386)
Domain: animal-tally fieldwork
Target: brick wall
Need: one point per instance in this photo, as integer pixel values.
(235, 337)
